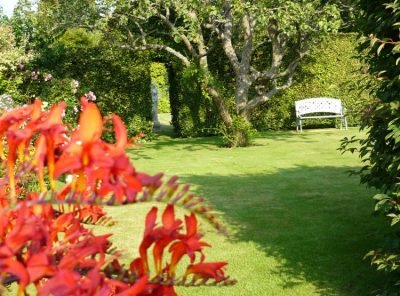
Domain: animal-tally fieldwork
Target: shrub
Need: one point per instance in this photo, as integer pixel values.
(240, 133)
(380, 149)
(13, 60)
(43, 240)
(120, 81)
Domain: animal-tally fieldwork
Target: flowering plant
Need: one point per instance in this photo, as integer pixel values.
(43, 239)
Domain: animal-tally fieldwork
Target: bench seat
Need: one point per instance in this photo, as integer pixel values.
(331, 106)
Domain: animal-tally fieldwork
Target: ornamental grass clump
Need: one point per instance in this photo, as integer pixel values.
(44, 243)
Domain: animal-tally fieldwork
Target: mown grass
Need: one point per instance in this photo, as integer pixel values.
(300, 224)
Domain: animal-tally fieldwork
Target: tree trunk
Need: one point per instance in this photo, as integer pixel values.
(236, 132)
(219, 103)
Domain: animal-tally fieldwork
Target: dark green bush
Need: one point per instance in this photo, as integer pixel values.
(380, 149)
(331, 70)
(120, 81)
(193, 113)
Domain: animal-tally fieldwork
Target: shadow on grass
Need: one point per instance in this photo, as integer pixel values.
(189, 144)
(167, 137)
(315, 220)
(305, 136)
(213, 143)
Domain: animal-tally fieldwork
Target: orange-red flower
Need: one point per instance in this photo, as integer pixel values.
(161, 236)
(207, 271)
(188, 244)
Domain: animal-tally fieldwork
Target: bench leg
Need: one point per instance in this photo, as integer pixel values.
(345, 122)
(299, 125)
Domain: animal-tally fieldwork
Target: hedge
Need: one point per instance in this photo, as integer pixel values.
(193, 113)
(120, 81)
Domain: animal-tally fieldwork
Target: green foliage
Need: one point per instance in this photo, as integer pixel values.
(23, 21)
(120, 81)
(12, 62)
(380, 150)
(122, 85)
(159, 75)
(239, 134)
(331, 70)
(193, 113)
(61, 90)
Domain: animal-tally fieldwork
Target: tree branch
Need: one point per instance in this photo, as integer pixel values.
(184, 38)
(225, 34)
(163, 47)
(265, 96)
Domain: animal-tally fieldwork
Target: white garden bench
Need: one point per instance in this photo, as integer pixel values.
(319, 105)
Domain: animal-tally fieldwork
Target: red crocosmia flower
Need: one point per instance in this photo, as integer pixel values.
(207, 271)
(158, 290)
(39, 266)
(137, 288)
(85, 148)
(18, 139)
(118, 178)
(162, 236)
(16, 268)
(11, 121)
(12, 118)
(148, 239)
(60, 224)
(39, 159)
(188, 244)
(34, 119)
(54, 131)
(82, 250)
(62, 283)
(24, 229)
(98, 165)
(121, 136)
(136, 267)
(90, 125)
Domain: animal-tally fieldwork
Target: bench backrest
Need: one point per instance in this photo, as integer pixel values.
(318, 105)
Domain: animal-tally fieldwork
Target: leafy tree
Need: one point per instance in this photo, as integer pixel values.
(4, 20)
(13, 59)
(282, 31)
(23, 21)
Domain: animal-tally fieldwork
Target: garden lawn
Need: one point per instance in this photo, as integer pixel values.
(300, 225)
